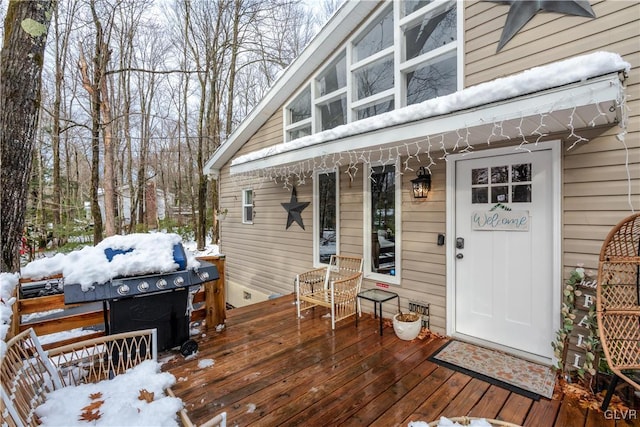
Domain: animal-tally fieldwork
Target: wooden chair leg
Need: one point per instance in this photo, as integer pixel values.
(610, 390)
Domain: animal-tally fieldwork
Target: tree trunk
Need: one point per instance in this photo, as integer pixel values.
(25, 34)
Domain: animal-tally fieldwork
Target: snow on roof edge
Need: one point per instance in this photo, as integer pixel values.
(572, 70)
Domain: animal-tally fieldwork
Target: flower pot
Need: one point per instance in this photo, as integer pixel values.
(407, 326)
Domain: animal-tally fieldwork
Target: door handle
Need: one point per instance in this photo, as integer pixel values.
(459, 256)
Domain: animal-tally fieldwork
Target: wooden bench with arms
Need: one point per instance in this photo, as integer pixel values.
(28, 372)
(335, 287)
(618, 302)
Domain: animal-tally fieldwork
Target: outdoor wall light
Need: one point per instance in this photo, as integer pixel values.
(422, 184)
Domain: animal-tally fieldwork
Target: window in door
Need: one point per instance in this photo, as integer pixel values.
(502, 184)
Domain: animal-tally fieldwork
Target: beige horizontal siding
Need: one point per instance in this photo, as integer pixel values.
(546, 38)
(598, 189)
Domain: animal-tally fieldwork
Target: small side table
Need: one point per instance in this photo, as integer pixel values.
(378, 296)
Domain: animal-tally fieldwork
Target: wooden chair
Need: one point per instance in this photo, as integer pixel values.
(618, 302)
(335, 287)
(28, 373)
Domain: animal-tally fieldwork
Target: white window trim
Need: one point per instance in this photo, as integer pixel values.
(286, 118)
(366, 230)
(316, 215)
(396, 51)
(245, 204)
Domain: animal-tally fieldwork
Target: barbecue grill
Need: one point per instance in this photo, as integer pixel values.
(158, 301)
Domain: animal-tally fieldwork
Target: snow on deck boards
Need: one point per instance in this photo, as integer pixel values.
(271, 368)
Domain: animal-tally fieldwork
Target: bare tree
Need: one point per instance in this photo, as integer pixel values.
(21, 59)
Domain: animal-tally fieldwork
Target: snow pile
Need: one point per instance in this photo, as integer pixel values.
(533, 80)
(121, 404)
(147, 254)
(8, 283)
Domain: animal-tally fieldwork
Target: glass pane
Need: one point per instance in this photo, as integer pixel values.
(500, 194)
(479, 176)
(299, 133)
(248, 197)
(521, 173)
(334, 113)
(334, 77)
(379, 37)
(374, 78)
(411, 6)
(521, 193)
(500, 175)
(248, 213)
(480, 195)
(431, 33)
(327, 215)
(374, 110)
(300, 108)
(436, 79)
(383, 220)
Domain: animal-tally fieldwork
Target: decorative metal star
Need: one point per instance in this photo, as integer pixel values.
(294, 209)
(522, 11)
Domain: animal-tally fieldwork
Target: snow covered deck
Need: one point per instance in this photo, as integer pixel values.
(270, 368)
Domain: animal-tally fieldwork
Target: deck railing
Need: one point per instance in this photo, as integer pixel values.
(209, 305)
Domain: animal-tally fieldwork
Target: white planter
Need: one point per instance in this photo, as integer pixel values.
(407, 330)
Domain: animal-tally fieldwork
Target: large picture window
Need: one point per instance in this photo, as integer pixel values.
(407, 52)
(325, 216)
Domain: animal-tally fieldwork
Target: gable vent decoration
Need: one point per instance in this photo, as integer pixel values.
(521, 12)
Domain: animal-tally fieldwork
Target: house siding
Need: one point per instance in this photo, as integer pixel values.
(598, 189)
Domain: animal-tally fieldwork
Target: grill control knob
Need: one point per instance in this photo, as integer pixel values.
(143, 286)
(178, 281)
(203, 275)
(123, 289)
(161, 284)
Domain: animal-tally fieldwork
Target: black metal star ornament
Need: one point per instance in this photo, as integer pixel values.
(522, 11)
(294, 209)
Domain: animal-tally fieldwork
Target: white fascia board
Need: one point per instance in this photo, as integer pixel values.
(323, 45)
(605, 89)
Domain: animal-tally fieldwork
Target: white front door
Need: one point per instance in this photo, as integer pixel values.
(504, 250)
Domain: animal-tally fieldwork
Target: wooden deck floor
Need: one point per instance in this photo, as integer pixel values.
(272, 369)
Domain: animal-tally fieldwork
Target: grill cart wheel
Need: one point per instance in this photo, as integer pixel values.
(188, 348)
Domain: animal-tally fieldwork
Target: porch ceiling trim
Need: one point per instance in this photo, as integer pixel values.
(591, 103)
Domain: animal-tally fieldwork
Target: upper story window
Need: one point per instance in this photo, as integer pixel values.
(298, 112)
(377, 38)
(404, 54)
(410, 6)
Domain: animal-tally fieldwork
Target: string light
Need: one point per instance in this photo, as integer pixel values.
(432, 146)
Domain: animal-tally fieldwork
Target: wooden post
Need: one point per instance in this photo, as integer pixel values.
(215, 299)
(15, 315)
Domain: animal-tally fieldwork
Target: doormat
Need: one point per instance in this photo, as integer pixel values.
(517, 375)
